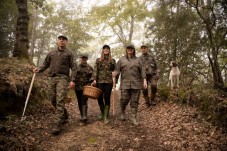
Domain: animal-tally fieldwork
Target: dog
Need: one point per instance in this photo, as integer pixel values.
(174, 75)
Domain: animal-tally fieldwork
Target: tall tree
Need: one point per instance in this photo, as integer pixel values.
(175, 33)
(119, 17)
(8, 13)
(21, 44)
(213, 14)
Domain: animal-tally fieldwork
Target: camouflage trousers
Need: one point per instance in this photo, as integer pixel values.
(130, 95)
(58, 94)
(152, 85)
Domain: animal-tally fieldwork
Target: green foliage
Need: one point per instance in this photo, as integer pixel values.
(8, 13)
(53, 22)
(163, 92)
(175, 32)
(119, 17)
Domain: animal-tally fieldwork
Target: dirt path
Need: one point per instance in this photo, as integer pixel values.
(167, 126)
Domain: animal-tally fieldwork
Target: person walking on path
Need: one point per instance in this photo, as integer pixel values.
(133, 79)
(103, 80)
(150, 64)
(59, 62)
(83, 78)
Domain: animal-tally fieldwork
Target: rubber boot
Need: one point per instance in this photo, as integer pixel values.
(65, 117)
(106, 114)
(80, 109)
(134, 117)
(122, 113)
(101, 107)
(56, 129)
(54, 103)
(152, 99)
(84, 115)
(147, 101)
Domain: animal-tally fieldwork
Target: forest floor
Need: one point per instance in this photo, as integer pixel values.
(165, 127)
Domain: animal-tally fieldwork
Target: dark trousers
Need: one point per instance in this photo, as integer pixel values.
(82, 100)
(104, 98)
(152, 81)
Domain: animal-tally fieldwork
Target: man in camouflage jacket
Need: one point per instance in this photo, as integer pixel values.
(151, 75)
(59, 62)
(83, 78)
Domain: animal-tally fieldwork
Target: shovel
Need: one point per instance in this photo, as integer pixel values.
(114, 93)
(28, 95)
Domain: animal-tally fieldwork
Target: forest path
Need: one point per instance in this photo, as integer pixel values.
(167, 126)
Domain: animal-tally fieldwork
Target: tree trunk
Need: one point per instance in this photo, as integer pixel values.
(217, 77)
(21, 44)
(33, 36)
(131, 29)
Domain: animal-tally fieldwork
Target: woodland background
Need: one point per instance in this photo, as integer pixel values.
(192, 32)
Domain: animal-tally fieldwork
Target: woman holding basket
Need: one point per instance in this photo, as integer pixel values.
(83, 78)
(103, 80)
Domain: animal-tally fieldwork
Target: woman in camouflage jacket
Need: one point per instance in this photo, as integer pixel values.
(83, 78)
(102, 76)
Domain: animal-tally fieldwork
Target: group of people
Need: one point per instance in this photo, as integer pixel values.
(136, 74)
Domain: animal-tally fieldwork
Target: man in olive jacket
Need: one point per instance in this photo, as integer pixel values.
(150, 64)
(133, 79)
(59, 62)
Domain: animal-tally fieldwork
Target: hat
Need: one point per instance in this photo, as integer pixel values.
(62, 36)
(130, 46)
(106, 46)
(144, 46)
(83, 55)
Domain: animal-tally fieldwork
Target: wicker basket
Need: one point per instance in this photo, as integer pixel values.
(91, 92)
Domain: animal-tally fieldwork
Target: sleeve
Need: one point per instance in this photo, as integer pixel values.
(73, 66)
(95, 71)
(46, 63)
(113, 65)
(156, 76)
(118, 69)
(143, 72)
(91, 71)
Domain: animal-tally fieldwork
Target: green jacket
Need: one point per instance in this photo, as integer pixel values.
(59, 62)
(103, 71)
(132, 73)
(83, 76)
(149, 63)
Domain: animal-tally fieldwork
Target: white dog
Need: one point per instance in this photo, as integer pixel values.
(174, 75)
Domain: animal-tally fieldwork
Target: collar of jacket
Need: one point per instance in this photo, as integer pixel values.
(145, 54)
(83, 64)
(61, 50)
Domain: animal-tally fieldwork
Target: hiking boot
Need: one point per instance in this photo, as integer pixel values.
(56, 129)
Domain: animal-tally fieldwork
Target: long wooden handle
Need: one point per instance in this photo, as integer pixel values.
(114, 89)
(28, 95)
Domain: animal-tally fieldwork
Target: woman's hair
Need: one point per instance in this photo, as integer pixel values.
(126, 54)
(102, 54)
